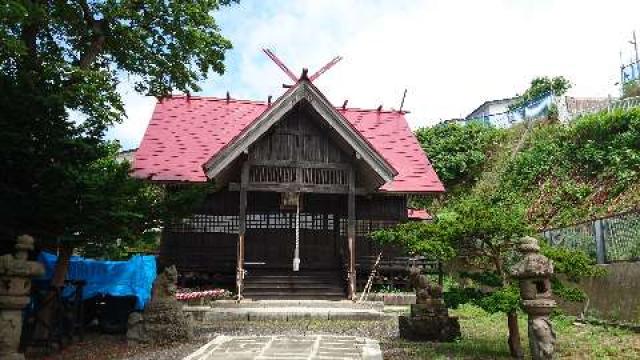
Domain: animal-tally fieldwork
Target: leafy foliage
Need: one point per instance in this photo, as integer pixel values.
(571, 172)
(541, 86)
(505, 299)
(458, 152)
(115, 212)
(418, 239)
(60, 179)
(573, 264)
(553, 170)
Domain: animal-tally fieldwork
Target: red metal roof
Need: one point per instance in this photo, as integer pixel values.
(418, 214)
(185, 132)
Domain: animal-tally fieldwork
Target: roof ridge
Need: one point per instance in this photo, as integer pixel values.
(389, 111)
(258, 102)
(215, 98)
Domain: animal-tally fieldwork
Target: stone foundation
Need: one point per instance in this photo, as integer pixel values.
(442, 328)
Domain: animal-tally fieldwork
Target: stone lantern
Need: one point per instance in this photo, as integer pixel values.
(15, 285)
(534, 273)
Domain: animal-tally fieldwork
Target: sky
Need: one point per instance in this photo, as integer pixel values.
(450, 55)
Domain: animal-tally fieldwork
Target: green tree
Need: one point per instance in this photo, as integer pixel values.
(483, 233)
(480, 234)
(59, 58)
(459, 152)
(540, 86)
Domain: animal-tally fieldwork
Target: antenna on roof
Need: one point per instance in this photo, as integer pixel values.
(344, 104)
(404, 95)
(269, 100)
(280, 64)
(326, 67)
(228, 97)
(380, 108)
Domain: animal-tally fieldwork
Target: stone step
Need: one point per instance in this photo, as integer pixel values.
(213, 315)
(308, 283)
(346, 304)
(250, 286)
(289, 296)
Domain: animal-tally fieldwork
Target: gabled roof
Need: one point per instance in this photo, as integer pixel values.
(302, 91)
(184, 133)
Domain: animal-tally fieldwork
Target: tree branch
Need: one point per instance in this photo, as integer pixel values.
(96, 29)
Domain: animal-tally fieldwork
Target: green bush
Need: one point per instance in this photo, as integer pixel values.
(459, 152)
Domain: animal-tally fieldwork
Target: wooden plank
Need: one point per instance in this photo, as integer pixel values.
(351, 235)
(242, 227)
(306, 188)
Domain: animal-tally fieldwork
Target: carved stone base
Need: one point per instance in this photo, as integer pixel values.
(442, 328)
(162, 322)
(10, 329)
(542, 338)
(434, 307)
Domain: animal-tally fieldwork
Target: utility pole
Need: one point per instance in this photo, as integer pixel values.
(635, 67)
(621, 74)
(635, 46)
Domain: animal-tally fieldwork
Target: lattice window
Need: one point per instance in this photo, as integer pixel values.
(280, 220)
(229, 224)
(312, 222)
(258, 221)
(201, 223)
(322, 176)
(272, 174)
(364, 227)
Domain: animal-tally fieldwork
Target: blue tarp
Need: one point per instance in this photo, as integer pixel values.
(531, 110)
(116, 278)
(630, 72)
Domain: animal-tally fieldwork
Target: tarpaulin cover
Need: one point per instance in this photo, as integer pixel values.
(116, 278)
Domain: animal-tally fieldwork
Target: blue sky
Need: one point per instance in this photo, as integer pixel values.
(451, 55)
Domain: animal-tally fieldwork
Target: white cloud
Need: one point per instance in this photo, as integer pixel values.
(138, 109)
(450, 55)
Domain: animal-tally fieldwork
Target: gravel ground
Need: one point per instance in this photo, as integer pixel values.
(98, 346)
(483, 337)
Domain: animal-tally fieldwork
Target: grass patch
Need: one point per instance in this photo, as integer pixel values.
(484, 336)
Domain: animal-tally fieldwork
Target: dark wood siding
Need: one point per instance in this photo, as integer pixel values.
(207, 240)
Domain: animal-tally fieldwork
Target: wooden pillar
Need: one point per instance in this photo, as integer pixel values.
(242, 227)
(351, 235)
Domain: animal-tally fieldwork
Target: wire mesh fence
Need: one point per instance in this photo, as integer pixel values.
(611, 239)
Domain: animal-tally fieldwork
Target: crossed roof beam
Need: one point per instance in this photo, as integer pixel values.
(291, 75)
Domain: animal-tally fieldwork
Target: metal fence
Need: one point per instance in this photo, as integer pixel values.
(626, 103)
(571, 108)
(611, 239)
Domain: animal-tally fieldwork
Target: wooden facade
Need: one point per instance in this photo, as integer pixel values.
(300, 185)
(249, 226)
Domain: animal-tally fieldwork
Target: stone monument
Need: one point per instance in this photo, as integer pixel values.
(534, 272)
(15, 284)
(429, 319)
(163, 320)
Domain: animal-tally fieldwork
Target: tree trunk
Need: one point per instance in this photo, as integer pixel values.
(62, 265)
(57, 281)
(515, 346)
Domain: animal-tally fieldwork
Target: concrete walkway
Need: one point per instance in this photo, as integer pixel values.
(286, 310)
(325, 347)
